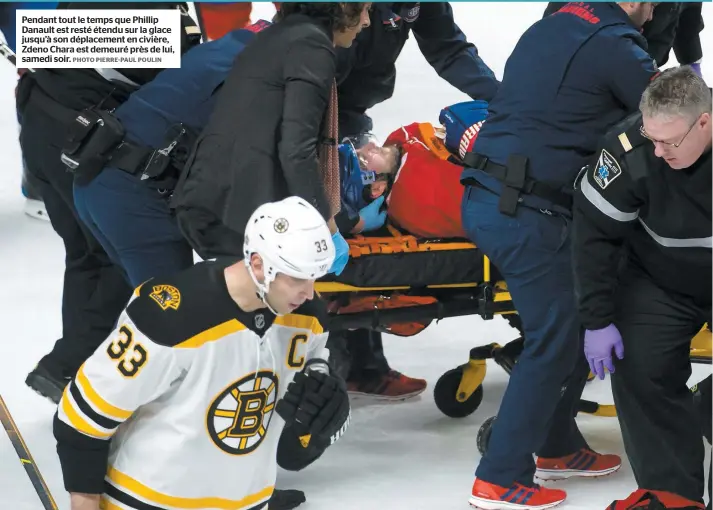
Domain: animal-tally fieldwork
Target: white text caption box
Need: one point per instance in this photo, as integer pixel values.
(84, 38)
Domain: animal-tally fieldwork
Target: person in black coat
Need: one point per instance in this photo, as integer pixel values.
(94, 292)
(675, 25)
(263, 139)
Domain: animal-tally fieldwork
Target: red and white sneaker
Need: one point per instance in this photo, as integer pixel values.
(582, 463)
(392, 386)
(488, 496)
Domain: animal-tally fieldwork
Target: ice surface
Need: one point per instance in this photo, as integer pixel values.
(404, 456)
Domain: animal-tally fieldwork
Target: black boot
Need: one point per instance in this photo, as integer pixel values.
(48, 380)
(286, 499)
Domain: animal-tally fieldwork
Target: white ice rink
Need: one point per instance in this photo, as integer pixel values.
(405, 456)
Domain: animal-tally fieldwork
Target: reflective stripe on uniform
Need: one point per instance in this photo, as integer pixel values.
(608, 209)
(671, 242)
(603, 205)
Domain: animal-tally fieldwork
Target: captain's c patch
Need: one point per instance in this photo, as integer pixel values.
(607, 170)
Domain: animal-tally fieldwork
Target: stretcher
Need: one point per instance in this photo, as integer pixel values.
(397, 283)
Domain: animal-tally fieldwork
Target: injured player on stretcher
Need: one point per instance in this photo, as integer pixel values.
(414, 178)
(206, 372)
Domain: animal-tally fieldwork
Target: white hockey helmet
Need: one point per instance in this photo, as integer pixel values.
(292, 238)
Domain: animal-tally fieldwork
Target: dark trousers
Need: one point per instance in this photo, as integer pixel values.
(537, 413)
(134, 224)
(659, 421)
(94, 290)
(358, 355)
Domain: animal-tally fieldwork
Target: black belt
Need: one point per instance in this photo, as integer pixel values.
(529, 186)
(127, 157)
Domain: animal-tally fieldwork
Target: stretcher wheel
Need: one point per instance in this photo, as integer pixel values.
(484, 435)
(445, 395)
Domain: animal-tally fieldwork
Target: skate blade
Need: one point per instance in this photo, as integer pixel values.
(36, 209)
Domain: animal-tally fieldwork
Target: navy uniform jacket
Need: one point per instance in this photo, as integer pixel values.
(186, 94)
(629, 198)
(366, 72)
(675, 25)
(571, 76)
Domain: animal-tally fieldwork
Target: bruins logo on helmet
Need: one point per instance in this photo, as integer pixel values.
(238, 418)
(281, 225)
(167, 296)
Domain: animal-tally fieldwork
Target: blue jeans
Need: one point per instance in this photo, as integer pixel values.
(134, 224)
(532, 251)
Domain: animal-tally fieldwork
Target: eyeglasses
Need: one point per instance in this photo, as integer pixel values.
(668, 144)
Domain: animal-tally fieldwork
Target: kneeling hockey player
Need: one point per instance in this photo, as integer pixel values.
(203, 373)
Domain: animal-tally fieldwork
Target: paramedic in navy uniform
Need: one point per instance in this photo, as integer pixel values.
(366, 75)
(571, 77)
(648, 192)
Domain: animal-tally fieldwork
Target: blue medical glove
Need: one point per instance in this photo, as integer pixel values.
(371, 215)
(696, 66)
(342, 254)
(598, 347)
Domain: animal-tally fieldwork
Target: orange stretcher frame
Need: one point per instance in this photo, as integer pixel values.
(404, 311)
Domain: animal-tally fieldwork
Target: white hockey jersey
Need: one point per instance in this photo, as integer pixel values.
(186, 389)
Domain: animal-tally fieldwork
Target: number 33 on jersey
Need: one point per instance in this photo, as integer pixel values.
(186, 388)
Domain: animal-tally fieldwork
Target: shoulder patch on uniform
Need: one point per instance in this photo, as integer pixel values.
(625, 143)
(166, 296)
(202, 310)
(607, 169)
(412, 14)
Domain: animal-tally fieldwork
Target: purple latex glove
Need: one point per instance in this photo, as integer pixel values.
(598, 346)
(696, 66)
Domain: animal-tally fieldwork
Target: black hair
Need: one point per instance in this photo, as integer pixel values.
(334, 15)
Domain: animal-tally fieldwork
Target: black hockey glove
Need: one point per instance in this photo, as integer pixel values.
(316, 413)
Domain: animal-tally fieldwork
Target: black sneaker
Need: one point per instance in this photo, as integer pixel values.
(286, 499)
(46, 382)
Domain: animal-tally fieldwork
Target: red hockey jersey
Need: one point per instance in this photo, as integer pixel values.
(426, 195)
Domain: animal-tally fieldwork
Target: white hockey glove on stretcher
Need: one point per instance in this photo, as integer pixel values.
(316, 413)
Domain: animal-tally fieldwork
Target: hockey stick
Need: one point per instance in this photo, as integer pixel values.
(9, 55)
(24, 453)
